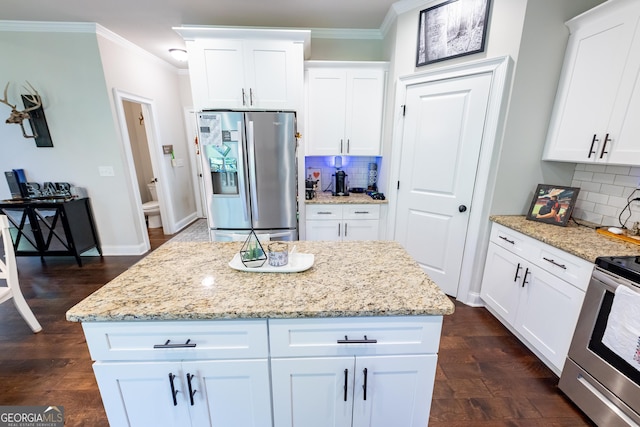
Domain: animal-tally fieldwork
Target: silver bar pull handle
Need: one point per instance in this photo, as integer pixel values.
(361, 212)
(251, 96)
(243, 99)
(345, 229)
(346, 340)
(187, 344)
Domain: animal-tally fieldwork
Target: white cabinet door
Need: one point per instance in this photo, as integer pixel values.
(216, 67)
(624, 119)
(273, 74)
(245, 73)
(139, 394)
(360, 229)
(501, 283)
(365, 99)
(327, 108)
(310, 392)
(202, 393)
(324, 230)
(596, 84)
(345, 107)
(548, 313)
(229, 393)
(396, 392)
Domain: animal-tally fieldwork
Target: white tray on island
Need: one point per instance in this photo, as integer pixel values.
(297, 262)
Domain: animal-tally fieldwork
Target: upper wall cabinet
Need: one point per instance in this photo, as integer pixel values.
(245, 69)
(598, 100)
(345, 103)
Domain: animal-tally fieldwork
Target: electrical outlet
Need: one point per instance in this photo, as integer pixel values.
(106, 171)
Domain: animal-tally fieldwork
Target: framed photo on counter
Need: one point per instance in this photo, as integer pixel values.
(553, 204)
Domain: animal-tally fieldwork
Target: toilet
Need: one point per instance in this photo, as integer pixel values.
(152, 209)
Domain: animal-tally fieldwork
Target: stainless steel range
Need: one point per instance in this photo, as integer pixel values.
(601, 382)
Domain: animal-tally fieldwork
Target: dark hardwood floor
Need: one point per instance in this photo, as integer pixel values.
(485, 377)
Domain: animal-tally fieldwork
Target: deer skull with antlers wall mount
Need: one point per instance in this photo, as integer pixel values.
(18, 117)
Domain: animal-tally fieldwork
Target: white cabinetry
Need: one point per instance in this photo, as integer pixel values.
(353, 372)
(598, 100)
(246, 73)
(535, 290)
(182, 373)
(341, 222)
(345, 106)
(246, 68)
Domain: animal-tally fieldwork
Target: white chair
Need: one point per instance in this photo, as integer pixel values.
(9, 273)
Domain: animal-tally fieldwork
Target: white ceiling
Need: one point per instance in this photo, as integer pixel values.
(148, 23)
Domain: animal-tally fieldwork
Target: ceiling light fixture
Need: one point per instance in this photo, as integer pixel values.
(178, 54)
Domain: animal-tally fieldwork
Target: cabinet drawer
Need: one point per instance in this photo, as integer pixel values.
(564, 265)
(361, 211)
(511, 240)
(324, 212)
(183, 340)
(346, 336)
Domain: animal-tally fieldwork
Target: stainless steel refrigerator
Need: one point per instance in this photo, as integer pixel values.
(251, 157)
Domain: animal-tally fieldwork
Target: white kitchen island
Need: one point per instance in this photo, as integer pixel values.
(182, 339)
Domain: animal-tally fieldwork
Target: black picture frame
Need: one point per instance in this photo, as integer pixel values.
(553, 204)
(452, 29)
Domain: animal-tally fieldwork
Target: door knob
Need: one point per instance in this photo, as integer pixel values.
(462, 208)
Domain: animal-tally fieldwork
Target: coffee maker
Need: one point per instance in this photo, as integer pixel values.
(340, 186)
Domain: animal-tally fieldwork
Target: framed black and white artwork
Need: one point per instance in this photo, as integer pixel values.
(452, 29)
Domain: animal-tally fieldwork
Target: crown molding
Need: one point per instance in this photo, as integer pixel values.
(79, 27)
(49, 27)
(346, 33)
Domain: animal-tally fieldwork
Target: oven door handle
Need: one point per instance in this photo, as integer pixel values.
(608, 281)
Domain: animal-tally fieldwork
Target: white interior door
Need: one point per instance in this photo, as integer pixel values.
(441, 141)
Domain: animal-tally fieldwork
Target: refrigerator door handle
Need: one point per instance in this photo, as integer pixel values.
(241, 182)
(252, 171)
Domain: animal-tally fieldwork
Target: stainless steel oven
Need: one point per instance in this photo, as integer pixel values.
(601, 383)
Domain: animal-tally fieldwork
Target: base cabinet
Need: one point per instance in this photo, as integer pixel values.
(359, 371)
(540, 305)
(178, 394)
(343, 222)
(353, 391)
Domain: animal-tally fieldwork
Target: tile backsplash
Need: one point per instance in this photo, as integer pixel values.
(356, 167)
(604, 193)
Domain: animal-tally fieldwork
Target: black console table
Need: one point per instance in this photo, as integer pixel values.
(51, 227)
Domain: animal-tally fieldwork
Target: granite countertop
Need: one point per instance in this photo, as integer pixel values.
(581, 241)
(192, 280)
(323, 197)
